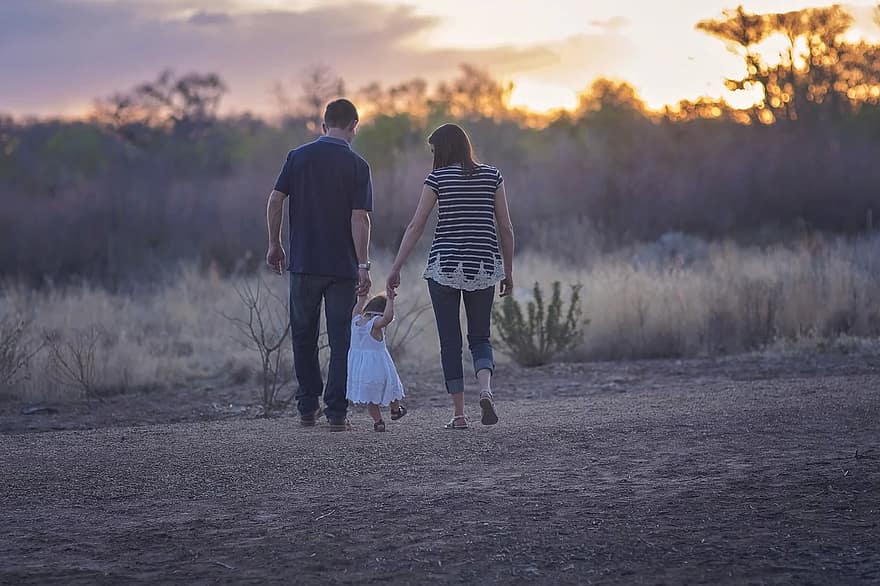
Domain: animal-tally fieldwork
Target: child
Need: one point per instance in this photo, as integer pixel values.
(372, 377)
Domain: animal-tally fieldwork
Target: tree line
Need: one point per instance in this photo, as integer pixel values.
(155, 175)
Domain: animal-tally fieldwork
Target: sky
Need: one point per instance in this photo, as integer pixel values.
(57, 56)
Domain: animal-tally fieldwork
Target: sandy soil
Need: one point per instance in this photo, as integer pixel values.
(749, 470)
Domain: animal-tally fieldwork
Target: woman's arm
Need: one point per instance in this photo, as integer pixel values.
(505, 232)
(413, 232)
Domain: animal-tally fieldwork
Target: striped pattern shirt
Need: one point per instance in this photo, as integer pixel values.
(465, 253)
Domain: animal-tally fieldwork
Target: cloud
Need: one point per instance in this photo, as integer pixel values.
(58, 55)
(611, 25)
(209, 18)
(582, 58)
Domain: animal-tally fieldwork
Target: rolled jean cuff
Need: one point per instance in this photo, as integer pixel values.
(455, 386)
(484, 364)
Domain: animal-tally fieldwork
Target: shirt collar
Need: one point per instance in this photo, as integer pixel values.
(333, 140)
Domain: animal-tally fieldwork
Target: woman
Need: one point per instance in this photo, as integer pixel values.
(465, 261)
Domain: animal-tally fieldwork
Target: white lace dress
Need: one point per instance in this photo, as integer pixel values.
(372, 377)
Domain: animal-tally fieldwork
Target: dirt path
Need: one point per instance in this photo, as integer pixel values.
(723, 477)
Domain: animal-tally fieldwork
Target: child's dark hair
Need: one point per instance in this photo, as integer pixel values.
(376, 304)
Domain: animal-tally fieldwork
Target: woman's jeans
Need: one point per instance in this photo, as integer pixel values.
(478, 307)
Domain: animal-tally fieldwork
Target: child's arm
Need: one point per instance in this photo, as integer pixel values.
(387, 317)
(359, 306)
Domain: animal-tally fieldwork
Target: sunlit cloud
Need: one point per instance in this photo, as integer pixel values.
(58, 55)
(541, 96)
(72, 52)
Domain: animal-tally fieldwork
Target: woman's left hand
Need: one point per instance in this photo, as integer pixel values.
(393, 281)
(507, 286)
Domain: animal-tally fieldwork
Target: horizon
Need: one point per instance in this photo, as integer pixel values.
(557, 54)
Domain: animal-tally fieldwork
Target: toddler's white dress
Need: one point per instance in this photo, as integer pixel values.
(372, 377)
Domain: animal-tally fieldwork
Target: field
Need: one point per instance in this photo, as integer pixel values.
(709, 413)
(741, 470)
(732, 438)
(677, 298)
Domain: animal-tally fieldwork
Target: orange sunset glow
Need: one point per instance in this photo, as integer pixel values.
(549, 52)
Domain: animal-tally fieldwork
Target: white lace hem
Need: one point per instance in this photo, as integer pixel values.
(458, 280)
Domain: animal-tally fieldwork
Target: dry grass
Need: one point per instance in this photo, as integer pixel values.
(819, 295)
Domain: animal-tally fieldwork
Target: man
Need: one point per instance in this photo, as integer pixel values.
(331, 196)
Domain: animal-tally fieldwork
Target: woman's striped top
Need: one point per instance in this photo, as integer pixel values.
(465, 253)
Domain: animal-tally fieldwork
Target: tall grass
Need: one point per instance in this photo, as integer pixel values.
(653, 301)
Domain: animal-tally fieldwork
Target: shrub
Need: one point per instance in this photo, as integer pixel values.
(16, 350)
(265, 331)
(546, 332)
(74, 358)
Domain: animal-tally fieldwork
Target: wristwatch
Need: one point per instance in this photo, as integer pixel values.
(364, 266)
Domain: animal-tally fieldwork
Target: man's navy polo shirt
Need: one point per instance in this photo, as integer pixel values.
(325, 180)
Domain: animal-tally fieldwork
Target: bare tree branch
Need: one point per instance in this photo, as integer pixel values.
(265, 330)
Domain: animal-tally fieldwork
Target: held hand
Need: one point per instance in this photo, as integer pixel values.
(393, 281)
(507, 286)
(364, 282)
(275, 258)
(390, 293)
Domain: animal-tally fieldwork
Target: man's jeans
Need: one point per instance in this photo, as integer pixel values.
(478, 308)
(339, 296)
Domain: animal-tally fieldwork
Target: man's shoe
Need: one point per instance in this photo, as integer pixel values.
(310, 419)
(340, 425)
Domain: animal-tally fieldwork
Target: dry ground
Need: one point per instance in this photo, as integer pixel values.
(748, 470)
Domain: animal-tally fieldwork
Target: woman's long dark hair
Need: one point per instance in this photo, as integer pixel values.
(452, 147)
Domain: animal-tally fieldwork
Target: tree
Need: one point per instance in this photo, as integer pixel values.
(474, 94)
(409, 97)
(318, 86)
(184, 105)
(610, 98)
(705, 109)
(818, 74)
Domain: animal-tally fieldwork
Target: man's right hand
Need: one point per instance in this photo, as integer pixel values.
(275, 258)
(364, 282)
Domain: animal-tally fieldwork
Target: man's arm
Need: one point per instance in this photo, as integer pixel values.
(360, 234)
(274, 216)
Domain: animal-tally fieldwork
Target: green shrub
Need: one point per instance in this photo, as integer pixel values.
(546, 332)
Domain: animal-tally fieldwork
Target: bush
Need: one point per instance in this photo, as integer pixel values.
(548, 331)
(265, 330)
(16, 350)
(75, 358)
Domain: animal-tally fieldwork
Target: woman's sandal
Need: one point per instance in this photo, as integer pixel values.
(487, 406)
(452, 425)
(398, 413)
(379, 426)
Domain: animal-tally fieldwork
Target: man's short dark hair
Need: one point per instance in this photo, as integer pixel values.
(340, 114)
